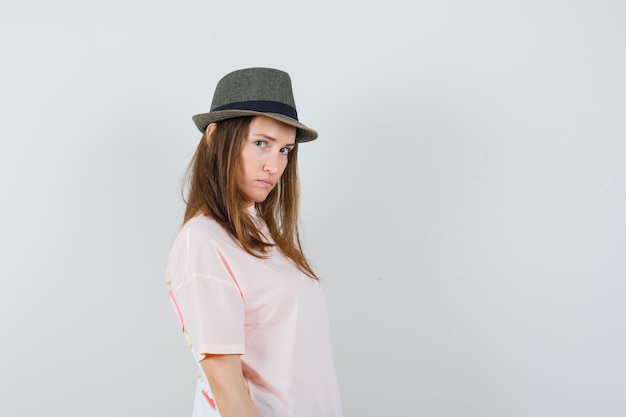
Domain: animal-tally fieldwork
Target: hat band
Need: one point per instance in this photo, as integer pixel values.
(263, 106)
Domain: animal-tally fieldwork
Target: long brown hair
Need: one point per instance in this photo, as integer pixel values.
(212, 190)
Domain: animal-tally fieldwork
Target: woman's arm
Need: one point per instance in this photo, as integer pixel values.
(226, 381)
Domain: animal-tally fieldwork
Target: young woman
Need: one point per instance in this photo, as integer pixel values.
(250, 304)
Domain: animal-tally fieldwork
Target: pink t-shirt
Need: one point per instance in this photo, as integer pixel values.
(267, 310)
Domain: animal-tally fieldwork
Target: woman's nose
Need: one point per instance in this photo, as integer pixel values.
(271, 164)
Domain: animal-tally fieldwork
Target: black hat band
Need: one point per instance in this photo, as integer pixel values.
(262, 106)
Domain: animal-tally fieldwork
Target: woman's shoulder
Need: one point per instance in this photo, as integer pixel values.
(201, 240)
(200, 222)
(201, 230)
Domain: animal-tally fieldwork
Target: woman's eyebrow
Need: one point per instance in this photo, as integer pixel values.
(271, 139)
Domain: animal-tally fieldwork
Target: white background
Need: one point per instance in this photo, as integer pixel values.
(464, 204)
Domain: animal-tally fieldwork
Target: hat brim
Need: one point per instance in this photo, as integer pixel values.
(304, 133)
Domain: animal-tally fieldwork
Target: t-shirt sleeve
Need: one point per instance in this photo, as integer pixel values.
(208, 300)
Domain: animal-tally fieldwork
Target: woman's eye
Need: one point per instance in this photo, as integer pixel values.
(285, 151)
(260, 143)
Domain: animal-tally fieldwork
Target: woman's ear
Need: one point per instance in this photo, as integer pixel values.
(210, 130)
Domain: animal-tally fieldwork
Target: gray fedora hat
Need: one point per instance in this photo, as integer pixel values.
(255, 92)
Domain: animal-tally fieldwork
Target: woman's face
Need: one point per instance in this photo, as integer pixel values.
(263, 157)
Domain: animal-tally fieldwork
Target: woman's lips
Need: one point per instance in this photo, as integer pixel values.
(266, 183)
